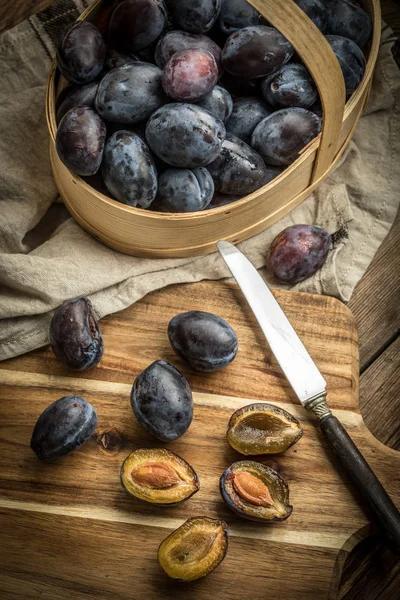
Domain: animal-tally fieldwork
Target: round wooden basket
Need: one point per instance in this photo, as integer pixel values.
(145, 233)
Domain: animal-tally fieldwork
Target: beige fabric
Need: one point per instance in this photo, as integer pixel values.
(45, 257)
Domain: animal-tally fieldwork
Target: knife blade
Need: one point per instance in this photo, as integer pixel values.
(310, 388)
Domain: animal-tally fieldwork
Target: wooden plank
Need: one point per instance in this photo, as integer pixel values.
(380, 393)
(13, 12)
(375, 303)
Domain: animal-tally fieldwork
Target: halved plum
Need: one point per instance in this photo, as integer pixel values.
(263, 428)
(158, 476)
(255, 492)
(194, 549)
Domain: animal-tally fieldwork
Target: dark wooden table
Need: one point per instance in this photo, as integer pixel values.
(371, 571)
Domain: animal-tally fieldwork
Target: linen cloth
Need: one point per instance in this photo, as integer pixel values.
(46, 258)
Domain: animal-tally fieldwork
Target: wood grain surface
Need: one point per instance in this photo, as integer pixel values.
(69, 529)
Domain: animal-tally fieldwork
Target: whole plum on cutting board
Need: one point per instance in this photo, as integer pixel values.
(63, 427)
(162, 401)
(185, 135)
(80, 140)
(75, 335)
(298, 252)
(81, 53)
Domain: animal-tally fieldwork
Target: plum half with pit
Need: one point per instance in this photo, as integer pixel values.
(190, 75)
(162, 401)
(298, 252)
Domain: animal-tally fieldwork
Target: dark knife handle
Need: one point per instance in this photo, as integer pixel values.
(383, 510)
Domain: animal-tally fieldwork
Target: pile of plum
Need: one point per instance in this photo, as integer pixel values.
(178, 121)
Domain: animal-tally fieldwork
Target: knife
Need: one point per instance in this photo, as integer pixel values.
(310, 388)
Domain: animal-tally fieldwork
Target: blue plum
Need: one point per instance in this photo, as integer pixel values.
(162, 401)
(247, 113)
(80, 139)
(255, 52)
(175, 41)
(130, 94)
(116, 59)
(298, 252)
(195, 16)
(350, 21)
(183, 190)
(73, 96)
(75, 335)
(238, 169)
(351, 60)
(63, 427)
(280, 137)
(204, 340)
(316, 11)
(135, 24)
(291, 86)
(81, 53)
(218, 102)
(128, 169)
(190, 75)
(185, 135)
(236, 14)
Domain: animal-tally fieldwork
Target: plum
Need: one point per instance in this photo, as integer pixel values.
(63, 427)
(238, 169)
(76, 95)
(204, 340)
(351, 60)
(75, 335)
(298, 252)
(280, 137)
(236, 14)
(128, 169)
(247, 113)
(183, 190)
(162, 401)
(195, 16)
(135, 24)
(190, 75)
(81, 53)
(130, 94)
(238, 87)
(80, 140)
(316, 11)
(218, 102)
(175, 41)
(291, 86)
(116, 59)
(255, 51)
(222, 200)
(350, 21)
(185, 135)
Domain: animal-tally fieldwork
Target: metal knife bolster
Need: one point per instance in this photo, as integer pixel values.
(318, 406)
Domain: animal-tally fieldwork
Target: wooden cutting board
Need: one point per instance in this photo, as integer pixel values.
(69, 530)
